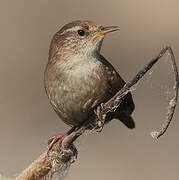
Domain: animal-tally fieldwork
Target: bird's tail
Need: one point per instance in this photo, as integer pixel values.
(127, 120)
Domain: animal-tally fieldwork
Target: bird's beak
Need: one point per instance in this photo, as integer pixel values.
(106, 29)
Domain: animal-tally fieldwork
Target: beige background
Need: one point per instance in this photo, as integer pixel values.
(26, 118)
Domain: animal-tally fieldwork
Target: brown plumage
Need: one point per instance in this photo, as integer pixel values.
(78, 78)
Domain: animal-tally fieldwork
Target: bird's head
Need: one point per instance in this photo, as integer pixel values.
(79, 38)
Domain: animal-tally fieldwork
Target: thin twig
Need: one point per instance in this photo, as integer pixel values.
(115, 101)
(173, 101)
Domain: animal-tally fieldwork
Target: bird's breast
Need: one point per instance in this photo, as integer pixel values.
(75, 90)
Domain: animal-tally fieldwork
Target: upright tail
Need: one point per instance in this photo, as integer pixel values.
(127, 120)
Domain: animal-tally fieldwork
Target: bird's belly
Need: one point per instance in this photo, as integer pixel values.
(74, 97)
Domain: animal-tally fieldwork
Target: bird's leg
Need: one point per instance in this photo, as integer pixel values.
(54, 139)
(100, 122)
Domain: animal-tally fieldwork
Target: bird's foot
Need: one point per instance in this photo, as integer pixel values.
(53, 140)
(100, 121)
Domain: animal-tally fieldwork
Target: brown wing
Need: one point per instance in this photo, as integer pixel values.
(115, 83)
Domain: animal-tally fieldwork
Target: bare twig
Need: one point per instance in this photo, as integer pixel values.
(115, 101)
(61, 156)
(173, 101)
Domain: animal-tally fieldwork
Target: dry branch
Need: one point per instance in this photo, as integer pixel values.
(115, 101)
(58, 159)
(62, 155)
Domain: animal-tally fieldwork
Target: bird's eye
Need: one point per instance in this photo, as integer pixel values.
(81, 32)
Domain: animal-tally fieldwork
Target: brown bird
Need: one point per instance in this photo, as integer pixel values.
(78, 78)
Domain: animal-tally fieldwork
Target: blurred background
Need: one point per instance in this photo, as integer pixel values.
(26, 118)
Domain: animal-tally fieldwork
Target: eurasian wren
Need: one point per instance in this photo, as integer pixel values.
(78, 78)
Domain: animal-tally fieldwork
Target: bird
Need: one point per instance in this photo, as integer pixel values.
(78, 79)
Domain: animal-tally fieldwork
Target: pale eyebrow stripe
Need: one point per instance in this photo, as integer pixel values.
(71, 29)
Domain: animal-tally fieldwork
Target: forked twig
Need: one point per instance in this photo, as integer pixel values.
(173, 101)
(115, 101)
(62, 156)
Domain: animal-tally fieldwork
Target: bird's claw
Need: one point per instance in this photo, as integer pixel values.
(100, 121)
(53, 140)
(70, 152)
(100, 125)
(98, 110)
(74, 154)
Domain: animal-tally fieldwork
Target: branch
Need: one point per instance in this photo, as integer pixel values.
(59, 159)
(173, 101)
(115, 101)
